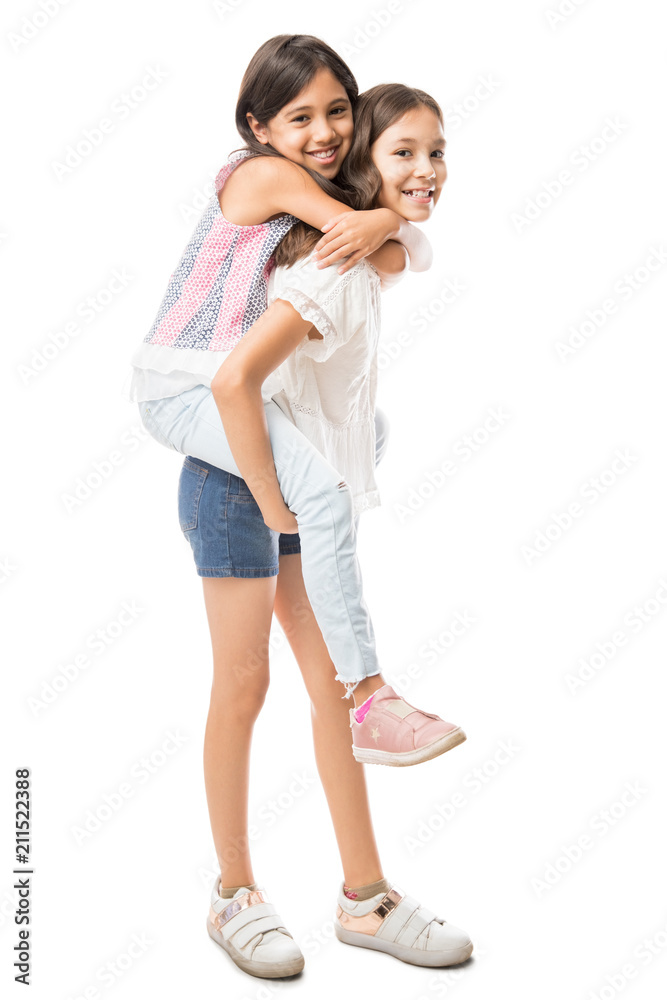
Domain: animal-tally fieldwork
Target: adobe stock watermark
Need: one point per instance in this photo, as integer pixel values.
(598, 827)
(634, 621)
(88, 483)
(643, 955)
(590, 491)
(459, 113)
(317, 938)
(372, 27)
(579, 161)
(222, 7)
(461, 452)
(434, 650)
(97, 642)
(33, 24)
(110, 972)
(88, 309)
(192, 210)
(442, 983)
(278, 639)
(472, 784)
(418, 322)
(7, 907)
(7, 569)
(596, 317)
(562, 12)
(140, 773)
(94, 136)
(269, 813)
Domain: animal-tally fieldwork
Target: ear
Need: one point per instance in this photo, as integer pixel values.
(259, 131)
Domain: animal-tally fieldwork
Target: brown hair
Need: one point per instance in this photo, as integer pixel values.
(277, 72)
(376, 110)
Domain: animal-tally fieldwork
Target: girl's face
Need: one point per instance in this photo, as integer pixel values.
(315, 129)
(410, 156)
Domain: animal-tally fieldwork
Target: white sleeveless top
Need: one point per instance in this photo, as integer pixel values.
(328, 387)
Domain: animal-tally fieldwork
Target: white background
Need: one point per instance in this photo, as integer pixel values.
(497, 864)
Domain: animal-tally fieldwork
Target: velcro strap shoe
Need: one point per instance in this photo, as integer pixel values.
(398, 925)
(250, 930)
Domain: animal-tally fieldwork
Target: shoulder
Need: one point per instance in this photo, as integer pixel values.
(256, 177)
(247, 187)
(258, 169)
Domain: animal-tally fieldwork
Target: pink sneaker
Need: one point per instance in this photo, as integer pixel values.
(394, 732)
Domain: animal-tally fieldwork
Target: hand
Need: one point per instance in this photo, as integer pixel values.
(281, 519)
(354, 235)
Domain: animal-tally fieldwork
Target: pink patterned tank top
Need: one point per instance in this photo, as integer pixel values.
(216, 293)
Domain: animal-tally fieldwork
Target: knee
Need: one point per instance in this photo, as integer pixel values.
(241, 701)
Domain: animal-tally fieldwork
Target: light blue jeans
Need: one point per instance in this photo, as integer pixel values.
(190, 423)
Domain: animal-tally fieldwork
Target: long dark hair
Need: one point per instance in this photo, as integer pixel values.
(376, 110)
(277, 72)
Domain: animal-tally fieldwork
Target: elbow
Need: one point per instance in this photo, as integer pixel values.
(422, 263)
(228, 385)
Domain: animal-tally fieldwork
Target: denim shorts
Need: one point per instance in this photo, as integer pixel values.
(222, 521)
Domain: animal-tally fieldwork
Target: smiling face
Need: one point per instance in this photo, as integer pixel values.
(315, 129)
(410, 156)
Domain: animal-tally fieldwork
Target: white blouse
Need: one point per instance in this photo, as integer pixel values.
(328, 387)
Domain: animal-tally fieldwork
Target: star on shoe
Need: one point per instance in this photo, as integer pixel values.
(375, 733)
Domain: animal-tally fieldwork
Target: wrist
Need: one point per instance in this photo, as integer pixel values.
(395, 222)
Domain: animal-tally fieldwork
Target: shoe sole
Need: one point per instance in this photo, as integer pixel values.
(265, 970)
(366, 755)
(412, 956)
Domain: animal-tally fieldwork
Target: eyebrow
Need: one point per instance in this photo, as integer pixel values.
(436, 142)
(308, 107)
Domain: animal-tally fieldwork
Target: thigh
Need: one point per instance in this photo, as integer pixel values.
(239, 613)
(190, 422)
(193, 425)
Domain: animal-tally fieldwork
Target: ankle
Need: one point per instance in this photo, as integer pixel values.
(366, 890)
(229, 891)
(367, 687)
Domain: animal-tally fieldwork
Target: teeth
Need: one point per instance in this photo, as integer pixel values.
(419, 194)
(324, 154)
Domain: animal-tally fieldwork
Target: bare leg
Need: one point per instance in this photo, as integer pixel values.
(239, 614)
(343, 779)
(367, 687)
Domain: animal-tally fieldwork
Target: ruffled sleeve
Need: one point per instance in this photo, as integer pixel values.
(336, 304)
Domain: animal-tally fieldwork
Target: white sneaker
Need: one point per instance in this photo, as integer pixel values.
(252, 933)
(400, 926)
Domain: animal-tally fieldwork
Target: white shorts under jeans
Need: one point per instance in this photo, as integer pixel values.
(190, 423)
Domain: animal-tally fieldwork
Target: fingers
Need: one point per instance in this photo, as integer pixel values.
(329, 225)
(352, 260)
(325, 242)
(332, 256)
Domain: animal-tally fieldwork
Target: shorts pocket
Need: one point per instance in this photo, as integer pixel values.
(239, 491)
(190, 485)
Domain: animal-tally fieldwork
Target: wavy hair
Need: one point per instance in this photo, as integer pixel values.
(278, 71)
(376, 110)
